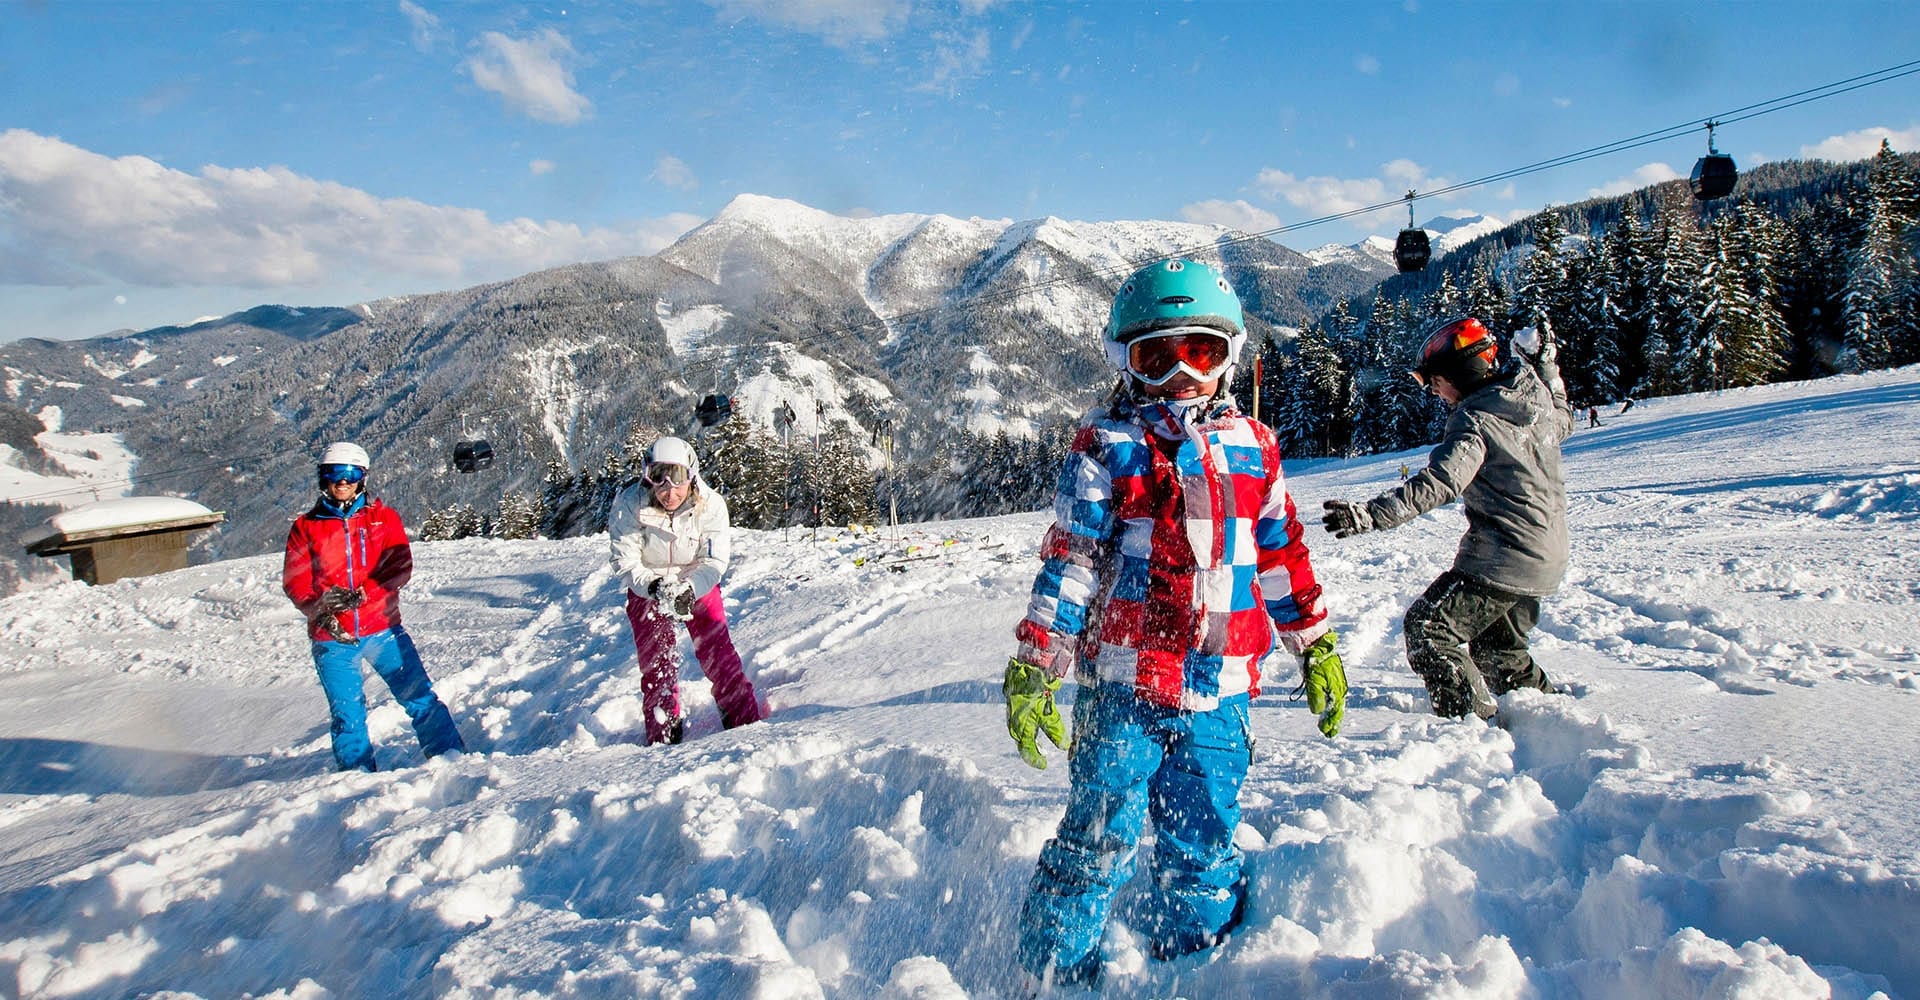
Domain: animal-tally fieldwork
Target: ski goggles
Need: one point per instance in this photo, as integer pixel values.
(1203, 353)
(666, 474)
(335, 473)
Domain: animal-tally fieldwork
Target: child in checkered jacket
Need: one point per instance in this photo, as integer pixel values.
(1174, 564)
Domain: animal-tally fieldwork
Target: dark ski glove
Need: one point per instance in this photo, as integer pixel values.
(330, 624)
(1031, 710)
(675, 597)
(1325, 681)
(340, 599)
(1346, 519)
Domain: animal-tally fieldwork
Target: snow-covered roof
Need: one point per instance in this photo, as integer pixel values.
(130, 515)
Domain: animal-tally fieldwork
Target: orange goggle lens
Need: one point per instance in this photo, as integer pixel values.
(1157, 359)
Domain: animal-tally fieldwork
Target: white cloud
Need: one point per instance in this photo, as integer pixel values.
(839, 22)
(69, 216)
(531, 74)
(1236, 214)
(955, 58)
(1367, 64)
(426, 27)
(539, 167)
(1319, 195)
(674, 173)
(1648, 174)
(1332, 195)
(1862, 144)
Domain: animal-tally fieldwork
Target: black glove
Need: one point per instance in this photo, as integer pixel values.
(675, 597)
(340, 599)
(330, 624)
(1345, 519)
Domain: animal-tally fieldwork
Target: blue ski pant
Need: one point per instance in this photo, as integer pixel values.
(1132, 759)
(392, 655)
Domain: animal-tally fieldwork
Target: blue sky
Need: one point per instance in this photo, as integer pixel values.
(161, 162)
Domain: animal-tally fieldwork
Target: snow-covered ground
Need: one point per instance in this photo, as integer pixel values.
(1723, 806)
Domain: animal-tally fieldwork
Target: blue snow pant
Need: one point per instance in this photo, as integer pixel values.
(392, 655)
(1131, 759)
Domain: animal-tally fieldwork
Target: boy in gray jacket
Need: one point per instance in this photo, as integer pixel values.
(1467, 635)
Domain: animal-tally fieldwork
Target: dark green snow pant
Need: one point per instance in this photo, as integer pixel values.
(1468, 643)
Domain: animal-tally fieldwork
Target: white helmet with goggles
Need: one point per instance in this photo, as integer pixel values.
(670, 460)
(343, 462)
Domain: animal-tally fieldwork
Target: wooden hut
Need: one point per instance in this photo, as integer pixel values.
(114, 539)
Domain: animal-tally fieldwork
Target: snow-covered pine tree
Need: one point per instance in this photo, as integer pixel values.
(438, 525)
(1676, 298)
(846, 480)
(518, 517)
(1633, 249)
(1589, 344)
(1752, 333)
(1544, 297)
(748, 467)
(1446, 301)
(561, 505)
(1893, 201)
(1486, 299)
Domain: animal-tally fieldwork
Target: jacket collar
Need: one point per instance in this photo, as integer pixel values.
(326, 508)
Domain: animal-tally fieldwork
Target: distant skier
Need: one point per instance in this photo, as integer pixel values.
(670, 535)
(1593, 417)
(1467, 635)
(1174, 560)
(346, 560)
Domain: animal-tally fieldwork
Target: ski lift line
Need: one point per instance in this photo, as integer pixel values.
(1734, 116)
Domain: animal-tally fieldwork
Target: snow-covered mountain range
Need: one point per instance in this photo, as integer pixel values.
(940, 324)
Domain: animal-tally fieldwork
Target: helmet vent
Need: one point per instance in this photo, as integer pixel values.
(1176, 300)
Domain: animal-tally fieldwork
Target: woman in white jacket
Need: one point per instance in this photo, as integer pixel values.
(670, 546)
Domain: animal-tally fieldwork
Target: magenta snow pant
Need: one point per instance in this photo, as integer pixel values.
(653, 641)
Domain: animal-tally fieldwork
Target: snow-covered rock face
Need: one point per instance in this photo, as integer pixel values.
(1720, 805)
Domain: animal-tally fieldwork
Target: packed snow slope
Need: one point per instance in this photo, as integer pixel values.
(1721, 805)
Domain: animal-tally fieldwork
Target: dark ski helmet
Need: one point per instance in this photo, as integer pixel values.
(1462, 351)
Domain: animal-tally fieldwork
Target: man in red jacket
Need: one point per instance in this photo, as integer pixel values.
(347, 559)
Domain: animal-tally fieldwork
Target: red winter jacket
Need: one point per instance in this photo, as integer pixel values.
(1175, 559)
(365, 549)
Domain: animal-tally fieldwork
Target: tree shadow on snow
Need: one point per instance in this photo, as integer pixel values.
(35, 766)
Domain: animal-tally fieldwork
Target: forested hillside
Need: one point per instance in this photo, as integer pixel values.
(1808, 270)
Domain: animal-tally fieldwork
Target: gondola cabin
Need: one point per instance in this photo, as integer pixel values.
(472, 456)
(1412, 251)
(1713, 177)
(713, 409)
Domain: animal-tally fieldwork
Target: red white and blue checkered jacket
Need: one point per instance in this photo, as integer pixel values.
(1174, 559)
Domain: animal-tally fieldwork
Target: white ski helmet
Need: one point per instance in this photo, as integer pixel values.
(345, 453)
(674, 451)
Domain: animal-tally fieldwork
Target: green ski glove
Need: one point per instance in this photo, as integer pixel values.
(1031, 711)
(1325, 679)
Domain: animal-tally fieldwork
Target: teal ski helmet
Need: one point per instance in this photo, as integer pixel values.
(1174, 293)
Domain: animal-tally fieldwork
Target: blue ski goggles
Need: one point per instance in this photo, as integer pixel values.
(331, 474)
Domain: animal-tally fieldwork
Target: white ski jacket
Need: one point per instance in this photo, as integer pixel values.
(649, 544)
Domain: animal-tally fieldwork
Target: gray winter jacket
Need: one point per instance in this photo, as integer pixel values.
(1501, 453)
